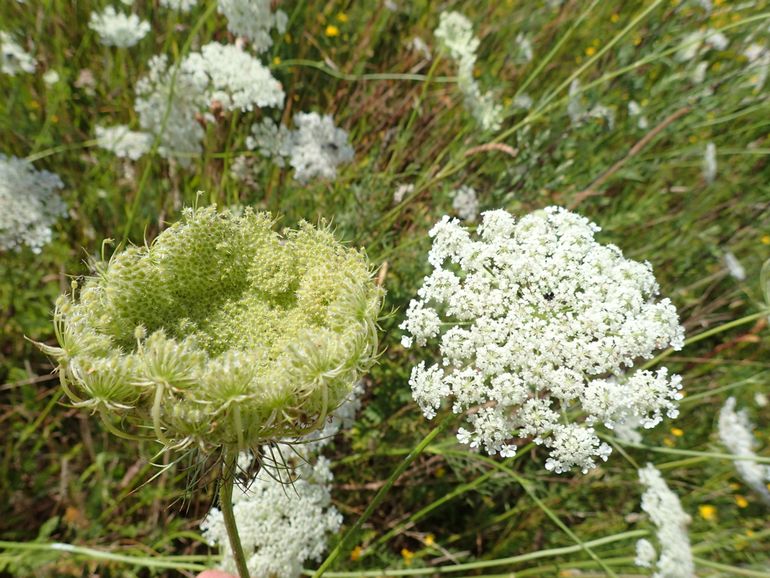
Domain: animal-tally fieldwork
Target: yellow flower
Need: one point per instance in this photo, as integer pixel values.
(590, 51)
(615, 18)
(440, 472)
(669, 442)
(429, 540)
(707, 512)
(356, 553)
(277, 60)
(765, 239)
(407, 555)
(677, 432)
(741, 501)
(342, 17)
(332, 30)
(693, 139)
(637, 41)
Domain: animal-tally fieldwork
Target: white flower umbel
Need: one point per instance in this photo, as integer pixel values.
(736, 433)
(222, 75)
(180, 5)
(253, 19)
(317, 147)
(29, 204)
(271, 139)
(284, 518)
(539, 327)
(118, 29)
(123, 142)
(455, 33)
(465, 203)
(665, 511)
(13, 58)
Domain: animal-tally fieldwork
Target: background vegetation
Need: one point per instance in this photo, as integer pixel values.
(64, 479)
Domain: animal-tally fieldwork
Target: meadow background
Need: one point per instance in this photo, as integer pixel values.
(64, 479)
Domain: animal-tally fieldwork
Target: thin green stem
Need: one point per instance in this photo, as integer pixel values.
(362, 77)
(346, 539)
(94, 554)
(226, 504)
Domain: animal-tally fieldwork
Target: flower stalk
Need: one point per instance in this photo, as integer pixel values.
(226, 483)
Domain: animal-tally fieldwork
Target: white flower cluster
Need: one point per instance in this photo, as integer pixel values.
(253, 19)
(538, 325)
(314, 149)
(759, 64)
(118, 29)
(123, 142)
(735, 431)
(666, 512)
(283, 526)
(13, 58)
(466, 203)
(180, 5)
(222, 75)
(29, 204)
(455, 32)
(283, 518)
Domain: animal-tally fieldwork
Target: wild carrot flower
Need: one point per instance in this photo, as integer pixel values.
(220, 333)
(29, 205)
(736, 433)
(123, 142)
(13, 58)
(118, 29)
(253, 19)
(466, 203)
(455, 32)
(665, 511)
(539, 327)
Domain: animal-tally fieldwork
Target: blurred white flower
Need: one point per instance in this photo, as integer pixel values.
(180, 5)
(538, 323)
(634, 110)
(734, 266)
(13, 58)
(51, 77)
(317, 147)
(401, 192)
(665, 511)
(254, 20)
(465, 203)
(117, 29)
(455, 32)
(736, 433)
(123, 142)
(29, 205)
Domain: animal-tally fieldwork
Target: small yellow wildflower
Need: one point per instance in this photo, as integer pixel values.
(33, 104)
(277, 60)
(741, 501)
(590, 51)
(637, 40)
(669, 442)
(677, 432)
(332, 30)
(430, 540)
(765, 240)
(707, 512)
(342, 17)
(615, 18)
(287, 38)
(693, 139)
(735, 486)
(54, 118)
(407, 555)
(356, 553)
(440, 472)
(718, 2)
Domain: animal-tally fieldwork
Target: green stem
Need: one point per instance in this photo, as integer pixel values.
(226, 504)
(551, 552)
(345, 542)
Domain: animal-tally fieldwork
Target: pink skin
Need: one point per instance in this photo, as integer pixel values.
(215, 574)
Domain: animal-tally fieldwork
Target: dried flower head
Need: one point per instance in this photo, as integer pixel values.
(539, 327)
(221, 332)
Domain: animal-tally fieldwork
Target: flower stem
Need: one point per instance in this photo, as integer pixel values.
(226, 504)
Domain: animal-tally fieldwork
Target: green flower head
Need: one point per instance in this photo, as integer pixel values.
(222, 332)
